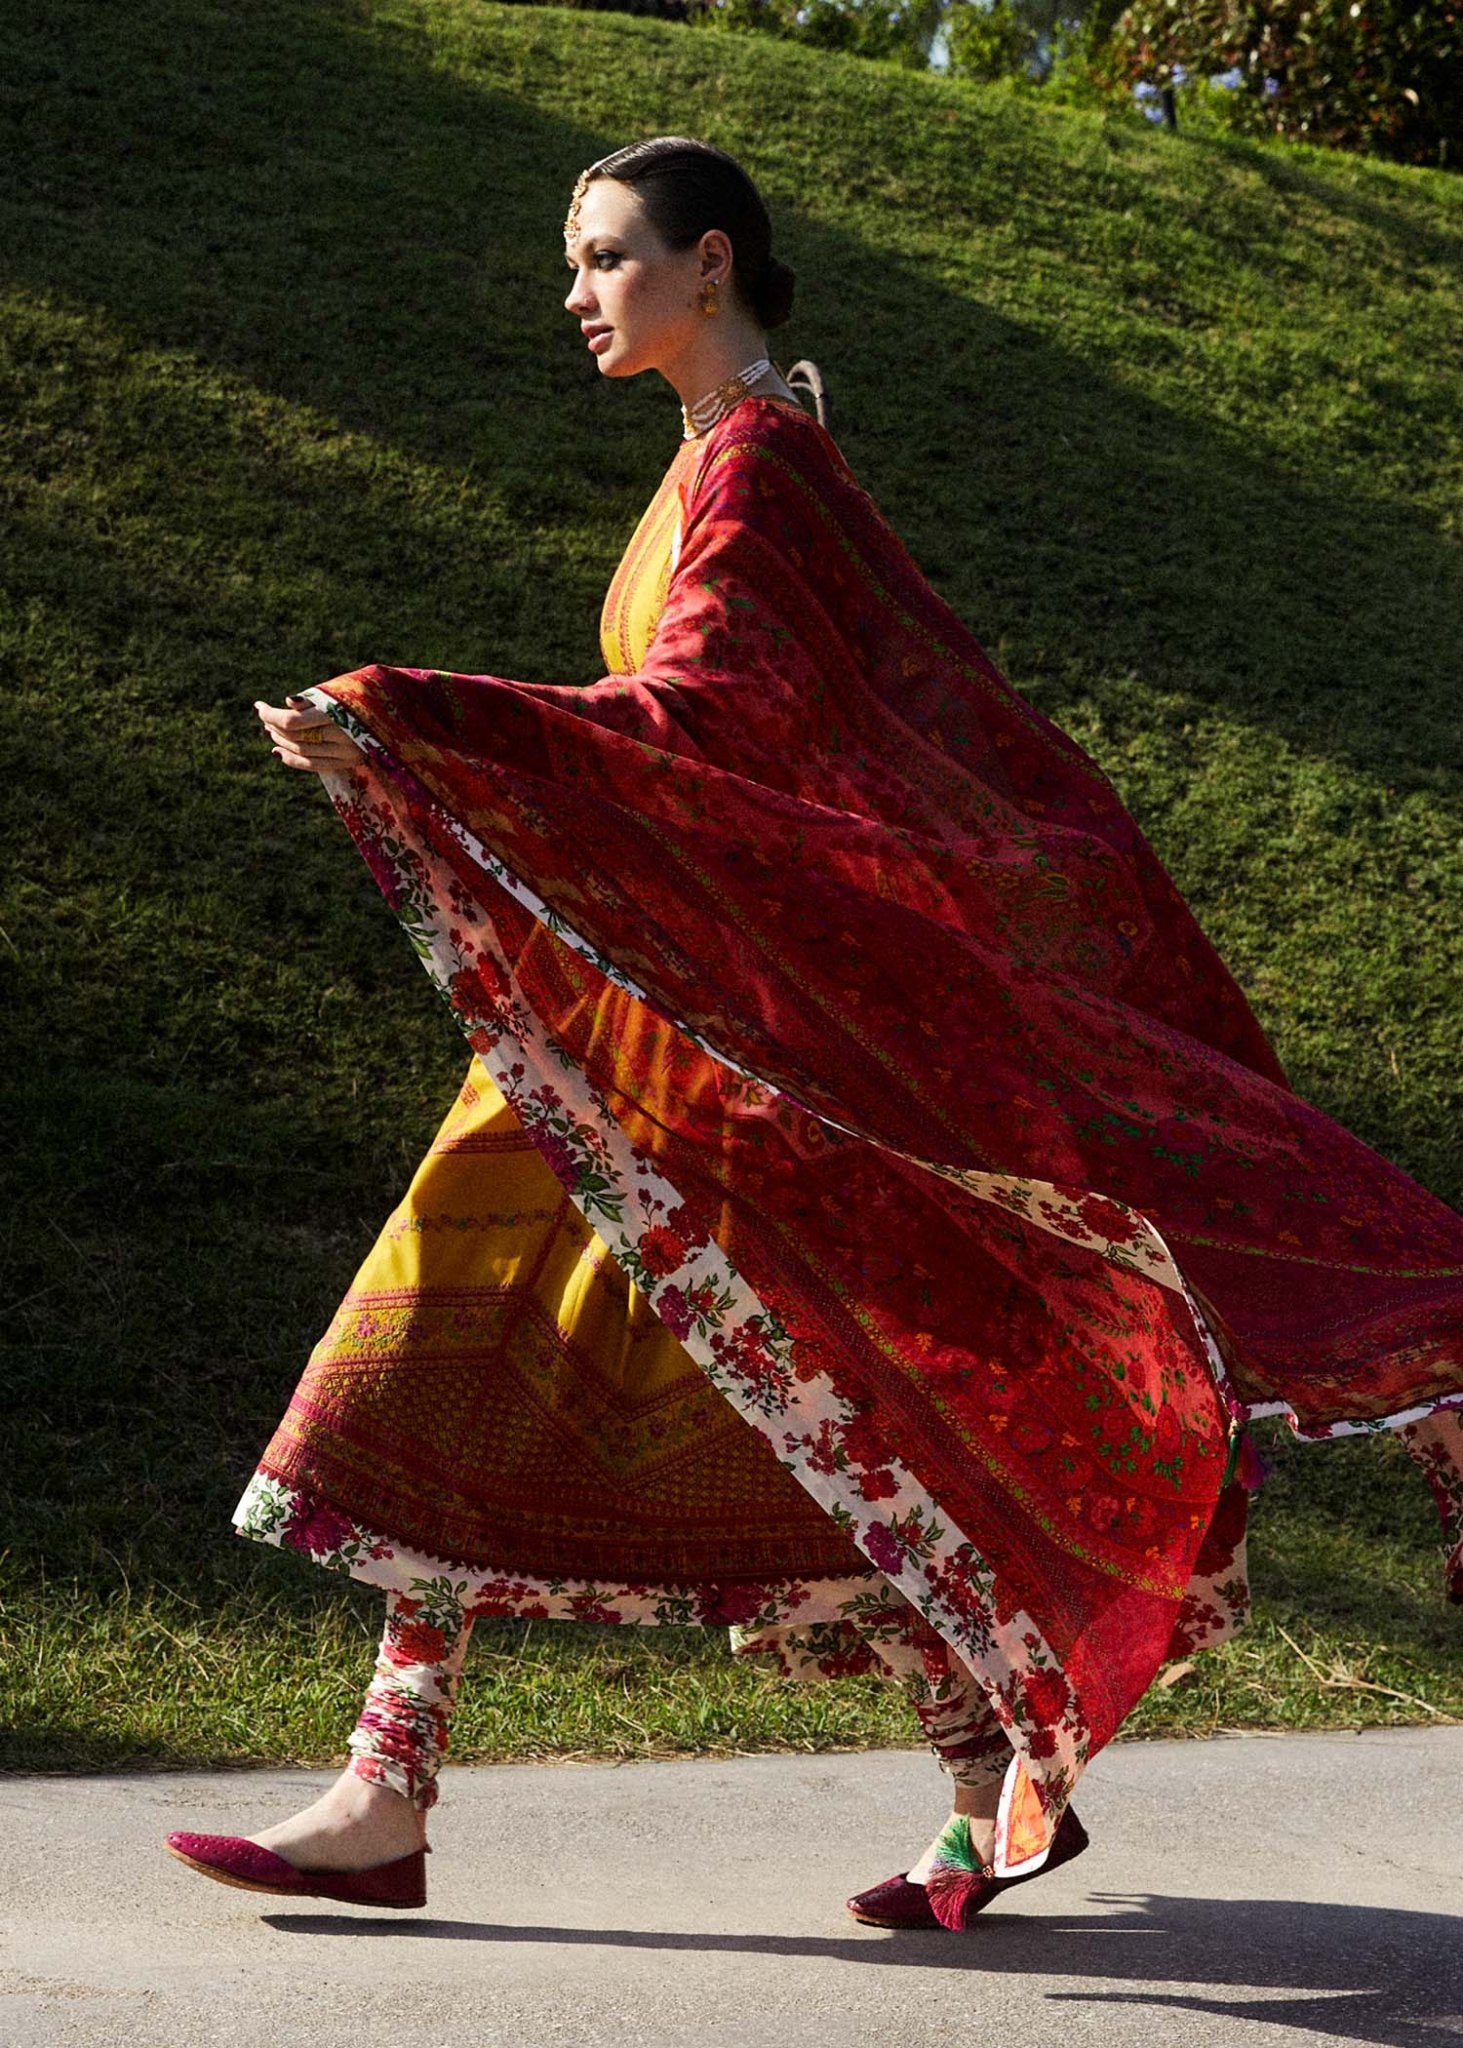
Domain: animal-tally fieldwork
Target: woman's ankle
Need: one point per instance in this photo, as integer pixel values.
(369, 1806)
(361, 1795)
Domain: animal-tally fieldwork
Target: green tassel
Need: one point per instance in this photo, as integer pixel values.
(959, 1883)
(954, 1847)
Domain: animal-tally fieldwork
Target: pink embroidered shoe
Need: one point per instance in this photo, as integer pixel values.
(960, 1885)
(894, 1903)
(229, 1859)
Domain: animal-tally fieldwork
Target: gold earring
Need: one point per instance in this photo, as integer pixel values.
(709, 291)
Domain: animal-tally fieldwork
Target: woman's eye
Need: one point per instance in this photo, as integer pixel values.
(606, 259)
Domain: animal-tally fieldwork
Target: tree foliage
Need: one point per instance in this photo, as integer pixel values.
(1382, 76)
(902, 31)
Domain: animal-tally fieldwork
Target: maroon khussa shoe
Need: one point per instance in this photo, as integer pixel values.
(962, 1893)
(894, 1903)
(229, 1859)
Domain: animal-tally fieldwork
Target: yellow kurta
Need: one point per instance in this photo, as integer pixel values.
(493, 1361)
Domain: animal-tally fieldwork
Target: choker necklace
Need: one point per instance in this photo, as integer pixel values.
(699, 418)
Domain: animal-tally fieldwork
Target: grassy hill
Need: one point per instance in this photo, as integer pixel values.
(1176, 425)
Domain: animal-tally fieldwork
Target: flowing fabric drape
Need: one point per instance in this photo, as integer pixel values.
(856, 1016)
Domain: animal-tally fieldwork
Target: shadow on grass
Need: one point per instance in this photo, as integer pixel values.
(70, 1749)
(1423, 238)
(1355, 1973)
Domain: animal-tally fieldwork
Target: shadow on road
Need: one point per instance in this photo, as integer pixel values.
(1376, 1974)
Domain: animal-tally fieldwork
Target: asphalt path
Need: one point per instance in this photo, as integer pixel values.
(1258, 1891)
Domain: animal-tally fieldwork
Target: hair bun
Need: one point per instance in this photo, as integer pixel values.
(773, 294)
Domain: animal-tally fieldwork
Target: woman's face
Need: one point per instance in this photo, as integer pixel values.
(636, 301)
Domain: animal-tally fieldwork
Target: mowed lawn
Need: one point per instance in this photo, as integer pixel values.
(1174, 422)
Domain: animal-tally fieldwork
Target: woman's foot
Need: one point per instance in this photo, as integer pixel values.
(353, 1826)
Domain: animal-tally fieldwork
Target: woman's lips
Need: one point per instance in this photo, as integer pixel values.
(600, 339)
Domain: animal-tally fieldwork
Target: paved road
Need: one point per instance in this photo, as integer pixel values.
(1263, 1891)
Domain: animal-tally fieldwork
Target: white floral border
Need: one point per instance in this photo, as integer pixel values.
(274, 1511)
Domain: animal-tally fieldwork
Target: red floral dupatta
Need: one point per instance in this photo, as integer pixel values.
(864, 1026)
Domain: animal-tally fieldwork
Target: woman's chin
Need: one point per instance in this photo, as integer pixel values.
(618, 363)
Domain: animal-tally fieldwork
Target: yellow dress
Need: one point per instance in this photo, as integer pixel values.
(494, 1368)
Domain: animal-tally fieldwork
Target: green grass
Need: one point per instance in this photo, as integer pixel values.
(1175, 423)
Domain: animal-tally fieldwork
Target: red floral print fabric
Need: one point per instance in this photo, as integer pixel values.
(916, 1099)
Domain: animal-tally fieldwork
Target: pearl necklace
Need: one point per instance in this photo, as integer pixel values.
(702, 416)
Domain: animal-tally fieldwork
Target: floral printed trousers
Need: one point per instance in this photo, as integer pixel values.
(402, 1735)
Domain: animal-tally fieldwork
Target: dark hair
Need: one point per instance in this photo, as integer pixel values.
(686, 188)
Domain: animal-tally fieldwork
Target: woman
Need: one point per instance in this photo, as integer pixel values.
(872, 1212)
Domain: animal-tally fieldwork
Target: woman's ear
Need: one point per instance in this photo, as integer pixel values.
(716, 256)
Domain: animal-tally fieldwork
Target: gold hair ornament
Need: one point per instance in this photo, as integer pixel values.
(576, 200)
(581, 185)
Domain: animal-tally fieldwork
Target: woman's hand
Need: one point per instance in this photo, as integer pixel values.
(306, 738)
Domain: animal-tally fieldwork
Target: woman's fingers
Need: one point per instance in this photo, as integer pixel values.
(323, 760)
(308, 739)
(287, 723)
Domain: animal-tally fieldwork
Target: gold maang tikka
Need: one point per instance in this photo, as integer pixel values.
(576, 200)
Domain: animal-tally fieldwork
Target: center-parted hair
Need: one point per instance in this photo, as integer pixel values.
(688, 187)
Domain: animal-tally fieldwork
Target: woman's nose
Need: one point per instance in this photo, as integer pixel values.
(579, 300)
